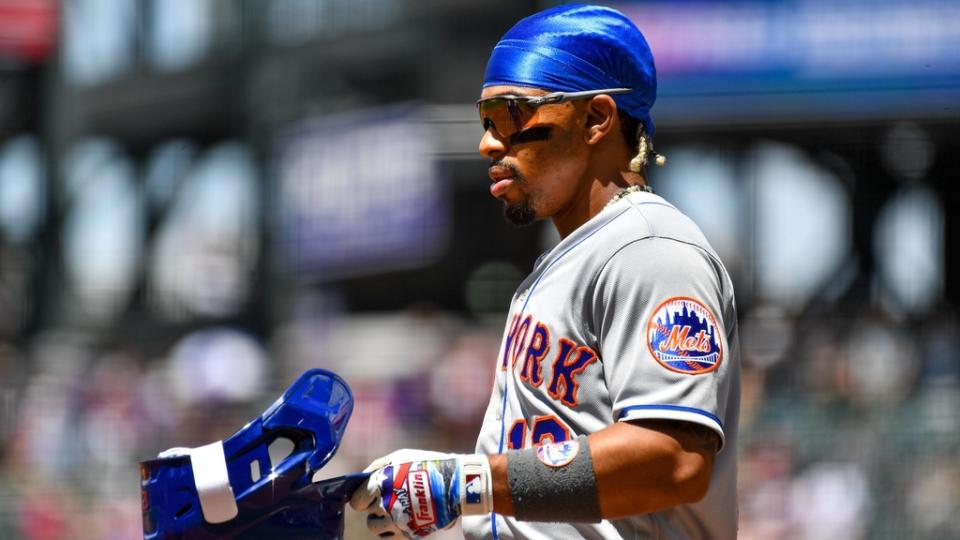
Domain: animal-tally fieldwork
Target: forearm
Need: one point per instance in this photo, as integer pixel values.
(642, 469)
(639, 469)
(502, 502)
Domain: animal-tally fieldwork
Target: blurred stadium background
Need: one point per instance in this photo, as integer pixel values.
(199, 199)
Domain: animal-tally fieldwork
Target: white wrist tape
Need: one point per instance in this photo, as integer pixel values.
(476, 485)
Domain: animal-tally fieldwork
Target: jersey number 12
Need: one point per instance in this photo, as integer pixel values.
(543, 430)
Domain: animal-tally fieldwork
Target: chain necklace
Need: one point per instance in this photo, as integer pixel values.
(626, 191)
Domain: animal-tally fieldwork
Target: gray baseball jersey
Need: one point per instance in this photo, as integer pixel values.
(630, 317)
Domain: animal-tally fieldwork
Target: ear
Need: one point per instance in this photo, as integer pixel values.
(601, 117)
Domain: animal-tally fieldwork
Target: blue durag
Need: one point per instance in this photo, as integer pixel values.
(578, 47)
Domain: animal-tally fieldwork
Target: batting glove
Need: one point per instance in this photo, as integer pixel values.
(415, 493)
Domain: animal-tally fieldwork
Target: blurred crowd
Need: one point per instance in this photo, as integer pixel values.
(849, 427)
(849, 420)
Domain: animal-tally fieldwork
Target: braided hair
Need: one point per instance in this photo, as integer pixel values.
(635, 137)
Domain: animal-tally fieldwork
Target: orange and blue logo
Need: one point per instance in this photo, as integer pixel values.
(683, 335)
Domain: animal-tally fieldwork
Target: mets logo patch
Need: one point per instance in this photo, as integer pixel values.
(683, 335)
(558, 454)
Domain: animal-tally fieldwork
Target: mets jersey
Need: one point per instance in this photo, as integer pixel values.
(630, 317)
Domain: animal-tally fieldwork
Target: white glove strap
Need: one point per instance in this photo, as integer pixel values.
(210, 476)
(476, 485)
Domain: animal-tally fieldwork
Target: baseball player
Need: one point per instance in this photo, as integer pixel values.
(614, 409)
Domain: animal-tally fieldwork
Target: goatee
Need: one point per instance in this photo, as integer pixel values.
(520, 214)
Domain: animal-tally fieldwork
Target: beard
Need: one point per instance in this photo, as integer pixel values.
(520, 214)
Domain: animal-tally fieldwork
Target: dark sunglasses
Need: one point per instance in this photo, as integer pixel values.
(508, 114)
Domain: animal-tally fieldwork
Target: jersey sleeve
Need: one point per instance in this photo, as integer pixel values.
(658, 317)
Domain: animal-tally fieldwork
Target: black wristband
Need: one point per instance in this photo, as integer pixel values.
(559, 485)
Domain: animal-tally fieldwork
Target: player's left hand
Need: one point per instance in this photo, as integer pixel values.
(415, 493)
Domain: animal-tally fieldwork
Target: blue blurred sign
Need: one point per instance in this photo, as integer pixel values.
(792, 58)
(359, 193)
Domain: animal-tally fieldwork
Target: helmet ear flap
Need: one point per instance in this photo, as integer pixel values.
(184, 496)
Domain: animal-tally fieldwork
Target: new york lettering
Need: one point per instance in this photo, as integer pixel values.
(528, 343)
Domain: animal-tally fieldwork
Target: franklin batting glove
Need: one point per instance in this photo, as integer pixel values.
(415, 493)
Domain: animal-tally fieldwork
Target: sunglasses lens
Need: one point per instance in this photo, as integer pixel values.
(507, 116)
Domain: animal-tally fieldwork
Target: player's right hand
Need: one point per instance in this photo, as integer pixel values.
(415, 493)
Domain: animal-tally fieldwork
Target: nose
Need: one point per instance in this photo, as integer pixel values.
(491, 145)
